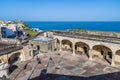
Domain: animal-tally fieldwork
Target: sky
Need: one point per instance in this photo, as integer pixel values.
(60, 10)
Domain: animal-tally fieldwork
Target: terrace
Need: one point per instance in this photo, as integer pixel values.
(68, 67)
(43, 39)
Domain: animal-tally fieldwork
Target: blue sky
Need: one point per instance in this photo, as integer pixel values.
(60, 10)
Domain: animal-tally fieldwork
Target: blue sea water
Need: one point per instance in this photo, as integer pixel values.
(102, 26)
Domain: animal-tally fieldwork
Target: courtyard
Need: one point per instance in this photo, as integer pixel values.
(65, 66)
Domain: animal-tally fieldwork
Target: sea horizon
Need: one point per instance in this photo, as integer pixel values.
(109, 26)
(60, 21)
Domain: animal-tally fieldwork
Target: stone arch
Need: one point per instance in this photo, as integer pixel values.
(117, 52)
(14, 58)
(117, 56)
(103, 52)
(82, 48)
(66, 45)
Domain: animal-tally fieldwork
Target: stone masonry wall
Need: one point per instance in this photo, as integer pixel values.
(102, 33)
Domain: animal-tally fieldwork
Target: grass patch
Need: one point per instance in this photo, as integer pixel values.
(30, 32)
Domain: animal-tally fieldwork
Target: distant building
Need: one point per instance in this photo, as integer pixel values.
(13, 27)
(37, 29)
(20, 26)
(6, 32)
(10, 31)
(3, 32)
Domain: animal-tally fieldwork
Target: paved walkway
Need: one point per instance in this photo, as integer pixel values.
(68, 67)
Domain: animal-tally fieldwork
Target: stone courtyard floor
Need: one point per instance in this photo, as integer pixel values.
(68, 67)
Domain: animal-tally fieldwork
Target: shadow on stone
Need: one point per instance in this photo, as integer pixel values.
(12, 68)
(50, 76)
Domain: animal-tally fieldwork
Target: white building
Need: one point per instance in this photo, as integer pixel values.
(13, 27)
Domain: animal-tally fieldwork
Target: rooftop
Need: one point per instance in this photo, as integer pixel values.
(41, 38)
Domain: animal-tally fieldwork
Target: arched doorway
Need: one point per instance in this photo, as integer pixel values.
(117, 57)
(14, 58)
(66, 45)
(38, 47)
(82, 48)
(103, 52)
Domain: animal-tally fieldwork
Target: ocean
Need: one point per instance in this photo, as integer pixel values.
(100, 26)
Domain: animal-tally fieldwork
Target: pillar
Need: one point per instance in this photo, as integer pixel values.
(55, 46)
(73, 48)
(32, 52)
(90, 54)
(23, 55)
(113, 59)
(6, 69)
(60, 45)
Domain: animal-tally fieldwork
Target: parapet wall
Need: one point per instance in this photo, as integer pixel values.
(112, 34)
(102, 33)
(9, 40)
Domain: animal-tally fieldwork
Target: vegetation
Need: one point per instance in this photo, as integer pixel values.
(77, 29)
(28, 30)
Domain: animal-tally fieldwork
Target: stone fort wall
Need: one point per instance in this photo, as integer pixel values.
(102, 33)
